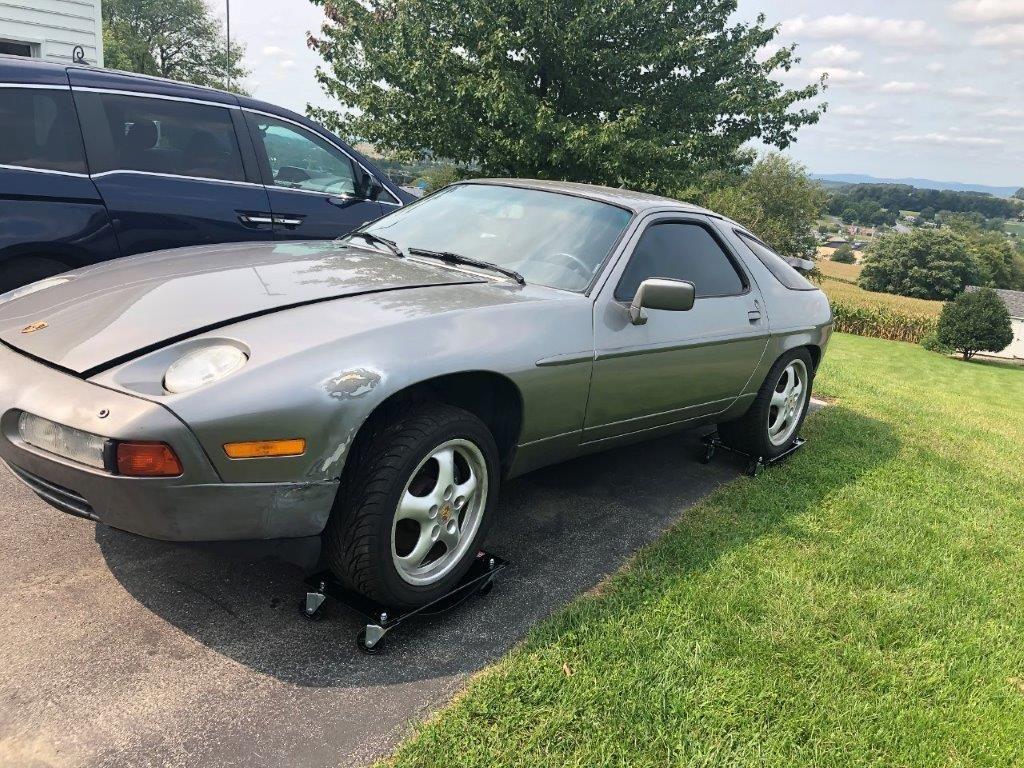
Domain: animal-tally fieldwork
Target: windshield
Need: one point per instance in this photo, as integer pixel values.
(551, 239)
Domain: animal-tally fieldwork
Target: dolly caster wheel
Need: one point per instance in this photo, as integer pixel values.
(377, 647)
(314, 616)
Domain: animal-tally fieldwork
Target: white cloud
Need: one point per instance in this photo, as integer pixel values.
(987, 10)
(1006, 35)
(836, 54)
(899, 58)
(899, 32)
(945, 139)
(286, 64)
(838, 75)
(968, 93)
(853, 110)
(1003, 112)
(897, 86)
(935, 67)
(273, 50)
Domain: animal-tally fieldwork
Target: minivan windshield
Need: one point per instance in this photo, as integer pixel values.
(552, 239)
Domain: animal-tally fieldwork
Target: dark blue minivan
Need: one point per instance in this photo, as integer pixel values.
(96, 164)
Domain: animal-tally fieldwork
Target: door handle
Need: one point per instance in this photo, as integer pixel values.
(754, 315)
(255, 219)
(287, 221)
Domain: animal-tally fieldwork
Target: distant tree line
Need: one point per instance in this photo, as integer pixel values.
(881, 203)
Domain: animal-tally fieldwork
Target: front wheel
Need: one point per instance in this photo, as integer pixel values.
(771, 424)
(415, 505)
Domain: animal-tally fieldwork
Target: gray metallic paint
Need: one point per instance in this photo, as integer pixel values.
(337, 331)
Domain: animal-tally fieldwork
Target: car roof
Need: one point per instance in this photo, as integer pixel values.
(623, 198)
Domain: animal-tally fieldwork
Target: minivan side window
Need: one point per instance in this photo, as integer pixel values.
(681, 251)
(180, 138)
(39, 129)
(299, 159)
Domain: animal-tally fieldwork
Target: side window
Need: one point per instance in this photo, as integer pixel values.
(137, 133)
(680, 251)
(777, 265)
(39, 129)
(299, 159)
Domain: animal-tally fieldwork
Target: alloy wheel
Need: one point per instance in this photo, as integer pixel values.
(789, 399)
(439, 512)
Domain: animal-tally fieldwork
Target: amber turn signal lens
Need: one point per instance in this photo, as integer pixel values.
(147, 460)
(261, 449)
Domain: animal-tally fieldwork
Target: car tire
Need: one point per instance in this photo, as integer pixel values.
(19, 272)
(416, 501)
(773, 421)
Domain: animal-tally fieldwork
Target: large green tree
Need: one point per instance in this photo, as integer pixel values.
(177, 39)
(924, 263)
(646, 93)
(777, 201)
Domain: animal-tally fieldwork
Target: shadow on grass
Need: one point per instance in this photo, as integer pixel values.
(564, 528)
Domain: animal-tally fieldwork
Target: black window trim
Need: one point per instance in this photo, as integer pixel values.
(186, 177)
(719, 241)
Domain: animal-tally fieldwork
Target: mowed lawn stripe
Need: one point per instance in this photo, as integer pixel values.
(861, 605)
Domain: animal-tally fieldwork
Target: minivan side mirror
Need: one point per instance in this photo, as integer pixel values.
(661, 293)
(369, 187)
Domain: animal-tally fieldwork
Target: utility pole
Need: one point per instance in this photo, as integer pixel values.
(227, 68)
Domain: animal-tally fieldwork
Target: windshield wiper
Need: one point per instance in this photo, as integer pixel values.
(369, 237)
(458, 258)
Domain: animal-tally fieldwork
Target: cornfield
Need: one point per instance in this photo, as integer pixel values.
(882, 323)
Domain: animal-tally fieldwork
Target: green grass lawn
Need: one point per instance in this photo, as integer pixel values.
(860, 605)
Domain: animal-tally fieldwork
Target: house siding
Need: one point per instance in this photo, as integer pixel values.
(54, 27)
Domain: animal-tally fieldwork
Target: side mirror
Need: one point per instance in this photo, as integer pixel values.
(369, 188)
(661, 293)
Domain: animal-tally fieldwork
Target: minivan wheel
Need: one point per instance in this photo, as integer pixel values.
(773, 421)
(414, 506)
(19, 272)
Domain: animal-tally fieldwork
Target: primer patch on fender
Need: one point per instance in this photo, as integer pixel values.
(352, 383)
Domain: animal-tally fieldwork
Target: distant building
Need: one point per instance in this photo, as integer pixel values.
(1014, 301)
(52, 30)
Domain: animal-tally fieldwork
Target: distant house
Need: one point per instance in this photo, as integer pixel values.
(835, 242)
(52, 30)
(1014, 301)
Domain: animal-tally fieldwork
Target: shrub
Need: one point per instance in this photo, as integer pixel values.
(932, 344)
(974, 322)
(924, 263)
(882, 323)
(844, 254)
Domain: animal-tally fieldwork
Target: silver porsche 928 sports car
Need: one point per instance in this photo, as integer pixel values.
(375, 390)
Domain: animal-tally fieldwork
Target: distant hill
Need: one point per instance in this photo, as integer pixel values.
(836, 179)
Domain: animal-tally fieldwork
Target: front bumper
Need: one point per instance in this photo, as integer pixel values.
(197, 506)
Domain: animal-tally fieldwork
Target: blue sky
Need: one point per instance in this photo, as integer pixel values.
(927, 88)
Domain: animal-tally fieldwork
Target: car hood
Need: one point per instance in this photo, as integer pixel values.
(113, 311)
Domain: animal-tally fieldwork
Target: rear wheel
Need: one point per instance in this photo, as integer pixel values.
(19, 272)
(773, 421)
(415, 504)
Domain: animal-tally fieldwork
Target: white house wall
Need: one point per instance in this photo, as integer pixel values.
(54, 27)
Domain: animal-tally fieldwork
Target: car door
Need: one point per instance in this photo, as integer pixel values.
(316, 190)
(172, 171)
(677, 366)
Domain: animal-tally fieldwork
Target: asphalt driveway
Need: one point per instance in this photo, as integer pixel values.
(117, 650)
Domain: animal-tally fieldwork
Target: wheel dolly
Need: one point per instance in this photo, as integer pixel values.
(380, 619)
(755, 464)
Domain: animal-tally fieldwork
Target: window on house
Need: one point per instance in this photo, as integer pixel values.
(15, 49)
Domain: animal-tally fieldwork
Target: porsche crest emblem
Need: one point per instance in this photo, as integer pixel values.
(35, 327)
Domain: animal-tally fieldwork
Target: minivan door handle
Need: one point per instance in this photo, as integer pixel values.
(291, 222)
(754, 315)
(256, 219)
